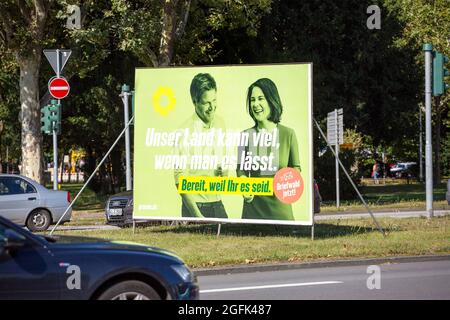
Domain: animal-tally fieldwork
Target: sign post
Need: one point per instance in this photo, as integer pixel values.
(59, 88)
(335, 132)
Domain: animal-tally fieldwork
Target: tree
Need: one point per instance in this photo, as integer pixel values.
(148, 29)
(360, 70)
(9, 109)
(165, 32)
(427, 21)
(23, 32)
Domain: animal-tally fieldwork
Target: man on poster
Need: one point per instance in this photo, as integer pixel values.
(203, 92)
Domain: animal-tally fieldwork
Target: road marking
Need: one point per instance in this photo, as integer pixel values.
(303, 284)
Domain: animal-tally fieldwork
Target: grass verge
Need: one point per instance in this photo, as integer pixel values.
(199, 246)
(392, 197)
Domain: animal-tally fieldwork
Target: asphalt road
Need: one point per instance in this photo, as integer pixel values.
(416, 280)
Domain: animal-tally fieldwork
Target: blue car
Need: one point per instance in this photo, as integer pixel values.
(40, 267)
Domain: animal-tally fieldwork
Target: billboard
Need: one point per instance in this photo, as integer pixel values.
(224, 144)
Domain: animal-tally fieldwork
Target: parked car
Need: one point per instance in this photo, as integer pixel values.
(41, 267)
(119, 207)
(27, 203)
(402, 169)
(447, 195)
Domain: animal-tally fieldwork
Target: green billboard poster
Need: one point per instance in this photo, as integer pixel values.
(224, 144)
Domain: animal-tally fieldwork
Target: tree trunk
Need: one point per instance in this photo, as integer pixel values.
(32, 164)
(168, 32)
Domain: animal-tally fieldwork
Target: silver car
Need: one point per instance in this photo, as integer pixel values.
(30, 204)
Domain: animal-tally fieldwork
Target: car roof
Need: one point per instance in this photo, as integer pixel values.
(124, 194)
(12, 175)
(17, 176)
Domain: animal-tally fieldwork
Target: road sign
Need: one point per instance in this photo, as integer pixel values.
(53, 55)
(335, 137)
(58, 87)
(331, 127)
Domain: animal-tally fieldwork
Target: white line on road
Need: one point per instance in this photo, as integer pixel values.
(272, 286)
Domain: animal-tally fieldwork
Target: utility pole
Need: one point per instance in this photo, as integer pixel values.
(428, 48)
(420, 146)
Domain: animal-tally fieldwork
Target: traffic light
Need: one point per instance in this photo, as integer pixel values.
(46, 125)
(439, 74)
(54, 110)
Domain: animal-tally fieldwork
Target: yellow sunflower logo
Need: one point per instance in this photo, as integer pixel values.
(164, 100)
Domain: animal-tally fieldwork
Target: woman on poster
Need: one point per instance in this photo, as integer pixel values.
(265, 107)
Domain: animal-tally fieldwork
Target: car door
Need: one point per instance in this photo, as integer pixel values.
(17, 199)
(28, 272)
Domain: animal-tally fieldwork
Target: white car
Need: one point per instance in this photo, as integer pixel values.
(402, 168)
(27, 203)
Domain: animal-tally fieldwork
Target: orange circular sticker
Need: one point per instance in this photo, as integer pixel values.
(288, 185)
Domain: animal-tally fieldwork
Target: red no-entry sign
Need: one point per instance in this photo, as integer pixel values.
(58, 87)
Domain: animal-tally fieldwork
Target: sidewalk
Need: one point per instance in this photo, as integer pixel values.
(379, 214)
(393, 213)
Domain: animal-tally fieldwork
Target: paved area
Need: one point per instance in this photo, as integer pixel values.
(421, 280)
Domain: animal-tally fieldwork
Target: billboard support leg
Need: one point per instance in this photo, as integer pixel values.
(218, 229)
(351, 181)
(312, 229)
(92, 174)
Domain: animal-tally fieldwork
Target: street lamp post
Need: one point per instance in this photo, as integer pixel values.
(428, 48)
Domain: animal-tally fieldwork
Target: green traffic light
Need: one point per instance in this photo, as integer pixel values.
(45, 120)
(439, 74)
(51, 118)
(55, 117)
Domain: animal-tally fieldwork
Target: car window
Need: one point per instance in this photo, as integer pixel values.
(11, 186)
(28, 187)
(6, 232)
(3, 231)
(3, 188)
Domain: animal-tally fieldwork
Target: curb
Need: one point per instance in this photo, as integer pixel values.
(310, 265)
(393, 211)
(87, 228)
(379, 214)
